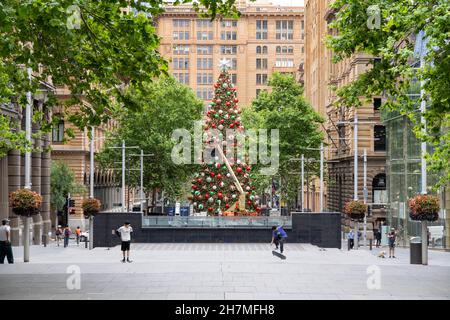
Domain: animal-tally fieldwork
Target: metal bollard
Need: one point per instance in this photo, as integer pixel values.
(370, 244)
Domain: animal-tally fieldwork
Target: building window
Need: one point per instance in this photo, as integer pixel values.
(180, 35)
(261, 79)
(204, 63)
(58, 132)
(379, 194)
(180, 63)
(180, 49)
(379, 138)
(258, 50)
(204, 78)
(182, 77)
(261, 64)
(205, 93)
(228, 35)
(376, 104)
(264, 50)
(303, 49)
(228, 49)
(284, 63)
(204, 35)
(258, 91)
(233, 64)
(285, 49)
(229, 23)
(181, 23)
(261, 29)
(204, 23)
(234, 78)
(204, 50)
(284, 29)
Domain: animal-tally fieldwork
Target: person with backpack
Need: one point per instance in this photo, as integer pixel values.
(78, 234)
(58, 234)
(278, 237)
(67, 234)
(125, 235)
(392, 236)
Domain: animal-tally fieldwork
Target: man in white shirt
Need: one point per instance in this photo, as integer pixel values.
(5, 243)
(125, 235)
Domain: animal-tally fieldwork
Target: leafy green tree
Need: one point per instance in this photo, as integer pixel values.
(62, 182)
(393, 42)
(91, 47)
(285, 109)
(164, 105)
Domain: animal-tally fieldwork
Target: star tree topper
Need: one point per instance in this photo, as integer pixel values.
(224, 64)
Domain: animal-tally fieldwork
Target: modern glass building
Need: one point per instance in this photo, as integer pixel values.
(404, 178)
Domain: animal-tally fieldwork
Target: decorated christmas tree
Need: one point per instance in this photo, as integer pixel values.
(223, 186)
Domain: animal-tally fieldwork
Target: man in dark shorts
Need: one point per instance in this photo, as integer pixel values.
(391, 238)
(278, 237)
(125, 235)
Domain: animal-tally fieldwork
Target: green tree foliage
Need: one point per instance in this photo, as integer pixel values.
(285, 109)
(62, 182)
(393, 42)
(164, 105)
(89, 46)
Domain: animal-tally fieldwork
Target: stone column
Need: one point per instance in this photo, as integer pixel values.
(14, 183)
(4, 189)
(45, 186)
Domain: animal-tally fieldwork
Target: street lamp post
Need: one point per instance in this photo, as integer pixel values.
(303, 182)
(321, 177)
(26, 220)
(365, 196)
(141, 192)
(423, 146)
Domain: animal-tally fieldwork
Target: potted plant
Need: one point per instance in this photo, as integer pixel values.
(424, 207)
(355, 209)
(25, 202)
(90, 207)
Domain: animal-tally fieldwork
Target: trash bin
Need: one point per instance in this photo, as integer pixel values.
(415, 247)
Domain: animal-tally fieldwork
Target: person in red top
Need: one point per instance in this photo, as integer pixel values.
(78, 234)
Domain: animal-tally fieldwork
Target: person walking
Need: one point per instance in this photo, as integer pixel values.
(351, 239)
(5, 243)
(378, 238)
(125, 236)
(278, 237)
(78, 234)
(67, 234)
(58, 234)
(392, 235)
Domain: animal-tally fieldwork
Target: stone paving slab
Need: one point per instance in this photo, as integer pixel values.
(223, 271)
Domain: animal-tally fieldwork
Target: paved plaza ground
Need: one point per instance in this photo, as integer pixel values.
(223, 271)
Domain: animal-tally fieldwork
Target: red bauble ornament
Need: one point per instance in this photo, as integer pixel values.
(206, 196)
(239, 170)
(221, 121)
(248, 168)
(232, 125)
(212, 174)
(199, 180)
(227, 206)
(219, 101)
(213, 126)
(236, 100)
(210, 209)
(194, 187)
(220, 195)
(228, 103)
(219, 176)
(249, 202)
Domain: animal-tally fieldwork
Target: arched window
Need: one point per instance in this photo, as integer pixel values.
(264, 50)
(290, 49)
(379, 194)
(279, 49)
(258, 49)
(284, 50)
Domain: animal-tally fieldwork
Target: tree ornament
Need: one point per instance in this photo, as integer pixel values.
(219, 176)
(214, 187)
(208, 179)
(200, 206)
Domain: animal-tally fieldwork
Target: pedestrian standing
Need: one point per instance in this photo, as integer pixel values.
(351, 239)
(58, 234)
(278, 237)
(5, 243)
(378, 238)
(78, 234)
(125, 235)
(392, 235)
(67, 234)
